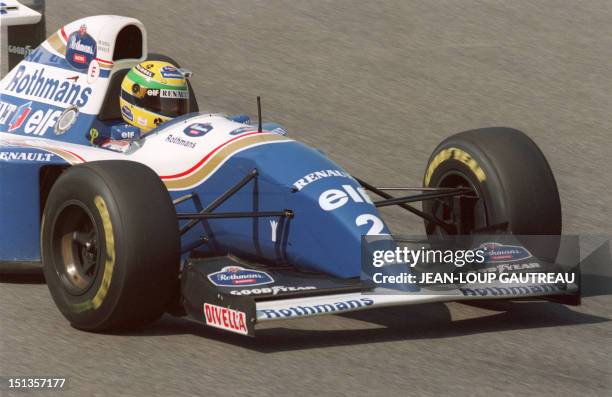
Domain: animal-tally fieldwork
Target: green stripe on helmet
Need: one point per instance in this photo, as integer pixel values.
(153, 84)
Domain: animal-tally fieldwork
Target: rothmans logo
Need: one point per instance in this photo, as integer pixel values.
(40, 86)
(236, 276)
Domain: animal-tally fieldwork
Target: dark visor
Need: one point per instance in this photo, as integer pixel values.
(170, 107)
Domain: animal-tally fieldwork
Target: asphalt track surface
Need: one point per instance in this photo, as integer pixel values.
(376, 85)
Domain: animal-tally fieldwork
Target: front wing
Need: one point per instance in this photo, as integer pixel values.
(236, 296)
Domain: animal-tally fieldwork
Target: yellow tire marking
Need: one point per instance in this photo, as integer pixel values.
(109, 264)
(459, 155)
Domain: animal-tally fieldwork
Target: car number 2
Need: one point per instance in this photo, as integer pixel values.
(376, 224)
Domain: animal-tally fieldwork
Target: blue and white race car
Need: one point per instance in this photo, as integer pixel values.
(211, 216)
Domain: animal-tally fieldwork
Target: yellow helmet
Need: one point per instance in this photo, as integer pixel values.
(153, 92)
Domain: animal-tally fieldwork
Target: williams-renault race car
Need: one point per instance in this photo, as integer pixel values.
(208, 215)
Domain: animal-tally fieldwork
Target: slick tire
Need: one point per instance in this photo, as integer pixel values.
(514, 183)
(110, 245)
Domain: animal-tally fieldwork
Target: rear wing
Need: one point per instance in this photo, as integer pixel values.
(23, 29)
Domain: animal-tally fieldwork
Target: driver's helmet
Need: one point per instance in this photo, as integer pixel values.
(153, 92)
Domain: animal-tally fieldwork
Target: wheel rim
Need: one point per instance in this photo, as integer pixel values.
(467, 213)
(75, 247)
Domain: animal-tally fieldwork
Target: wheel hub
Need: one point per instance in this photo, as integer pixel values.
(76, 251)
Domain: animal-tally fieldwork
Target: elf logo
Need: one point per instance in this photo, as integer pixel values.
(332, 199)
(35, 122)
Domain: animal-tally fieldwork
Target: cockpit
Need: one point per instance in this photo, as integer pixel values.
(128, 52)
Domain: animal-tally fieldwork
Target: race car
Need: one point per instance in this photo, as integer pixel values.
(209, 215)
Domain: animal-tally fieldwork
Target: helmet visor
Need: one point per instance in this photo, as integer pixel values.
(169, 103)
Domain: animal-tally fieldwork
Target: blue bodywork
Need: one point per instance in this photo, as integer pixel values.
(331, 210)
(322, 239)
(315, 238)
(20, 210)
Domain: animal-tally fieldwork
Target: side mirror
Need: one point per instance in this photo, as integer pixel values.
(185, 72)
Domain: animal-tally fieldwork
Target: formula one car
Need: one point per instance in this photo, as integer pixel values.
(211, 216)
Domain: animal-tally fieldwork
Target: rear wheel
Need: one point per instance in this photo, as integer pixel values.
(110, 245)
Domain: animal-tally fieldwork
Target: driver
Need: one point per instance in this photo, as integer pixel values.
(152, 93)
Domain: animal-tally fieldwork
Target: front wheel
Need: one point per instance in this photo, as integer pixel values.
(514, 190)
(110, 245)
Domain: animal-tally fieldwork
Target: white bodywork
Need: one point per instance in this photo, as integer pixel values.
(348, 302)
(180, 160)
(105, 29)
(180, 167)
(16, 13)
